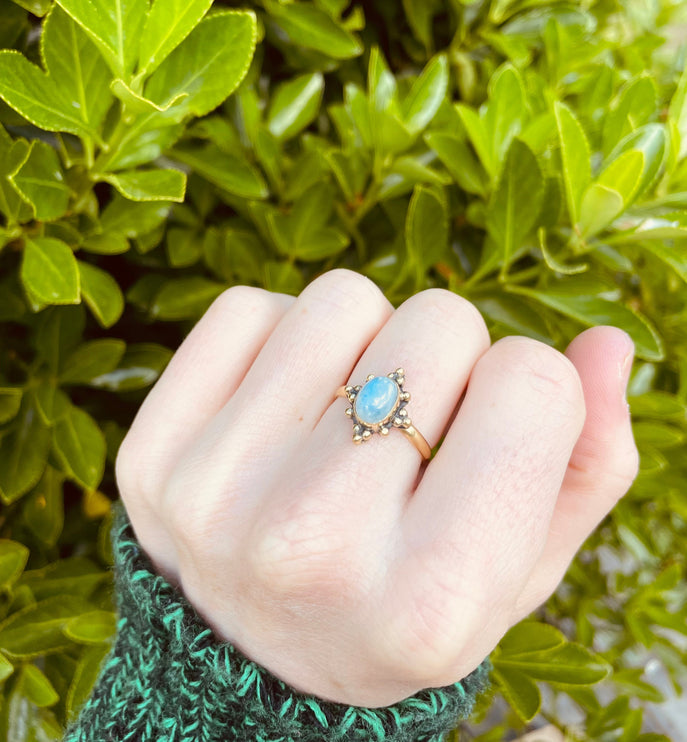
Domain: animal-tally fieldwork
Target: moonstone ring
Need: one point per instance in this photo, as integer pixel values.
(379, 405)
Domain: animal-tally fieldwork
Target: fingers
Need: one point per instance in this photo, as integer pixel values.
(478, 521)
(283, 395)
(342, 498)
(203, 373)
(603, 464)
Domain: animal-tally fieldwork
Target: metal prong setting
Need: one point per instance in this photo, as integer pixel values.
(399, 417)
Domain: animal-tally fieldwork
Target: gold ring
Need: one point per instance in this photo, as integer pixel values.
(379, 405)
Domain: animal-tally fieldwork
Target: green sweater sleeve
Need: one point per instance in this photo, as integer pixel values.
(168, 678)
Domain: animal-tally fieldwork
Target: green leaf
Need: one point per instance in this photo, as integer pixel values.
(93, 627)
(168, 24)
(13, 558)
(283, 277)
(44, 508)
(294, 104)
(185, 298)
(600, 206)
(427, 94)
(570, 664)
(651, 140)
(553, 262)
(115, 28)
(623, 175)
(224, 170)
(208, 66)
(426, 227)
(678, 113)
(23, 453)
(140, 367)
(76, 69)
(477, 133)
(38, 689)
(10, 400)
(505, 113)
(37, 629)
(575, 158)
(77, 576)
(136, 103)
(516, 202)
(635, 106)
(6, 668)
(308, 26)
(458, 159)
(132, 219)
(675, 256)
(59, 330)
(657, 435)
(40, 180)
(657, 404)
(594, 310)
(83, 681)
(28, 90)
(36, 7)
(304, 232)
(518, 689)
(150, 185)
(381, 84)
(419, 16)
(49, 271)
(91, 360)
(527, 637)
(80, 447)
(109, 243)
(183, 246)
(12, 154)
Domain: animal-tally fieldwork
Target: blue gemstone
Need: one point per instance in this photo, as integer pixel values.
(376, 400)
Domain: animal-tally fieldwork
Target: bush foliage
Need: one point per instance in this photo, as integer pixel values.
(530, 155)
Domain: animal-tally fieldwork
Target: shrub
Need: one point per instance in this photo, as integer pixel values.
(527, 154)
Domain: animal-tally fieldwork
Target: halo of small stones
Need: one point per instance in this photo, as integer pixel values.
(398, 417)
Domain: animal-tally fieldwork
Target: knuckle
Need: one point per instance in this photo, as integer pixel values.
(345, 288)
(430, 619)
(451, 311)
(303, 554)
(548, 371)
(427, 633)
(243, 301)
(135, 478)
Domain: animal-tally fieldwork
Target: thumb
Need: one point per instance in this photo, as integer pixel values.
(604, 461)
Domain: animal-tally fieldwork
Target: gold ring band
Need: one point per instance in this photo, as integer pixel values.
(379, 405)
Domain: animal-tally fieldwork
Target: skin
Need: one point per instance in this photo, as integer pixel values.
(357, 573)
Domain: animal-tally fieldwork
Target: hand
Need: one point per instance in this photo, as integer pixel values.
(354, 572)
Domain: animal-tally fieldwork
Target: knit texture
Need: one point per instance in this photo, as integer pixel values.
(168, 678)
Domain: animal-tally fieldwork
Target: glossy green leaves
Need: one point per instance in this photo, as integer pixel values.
(308, 26)
(575, 156)
(167, 24)
(116, 30)
(517, 200)
(532, 652)
(207, 67)
(49, 272)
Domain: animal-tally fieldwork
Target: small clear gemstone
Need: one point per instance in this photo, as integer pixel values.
(376, 400)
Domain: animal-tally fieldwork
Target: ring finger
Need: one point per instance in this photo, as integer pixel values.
(334, 491)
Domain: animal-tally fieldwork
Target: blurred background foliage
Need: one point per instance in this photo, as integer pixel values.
(530, 155)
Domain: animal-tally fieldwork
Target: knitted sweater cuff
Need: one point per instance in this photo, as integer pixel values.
(168, 678)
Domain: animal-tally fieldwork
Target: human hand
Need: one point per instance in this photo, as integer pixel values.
(355, 573)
